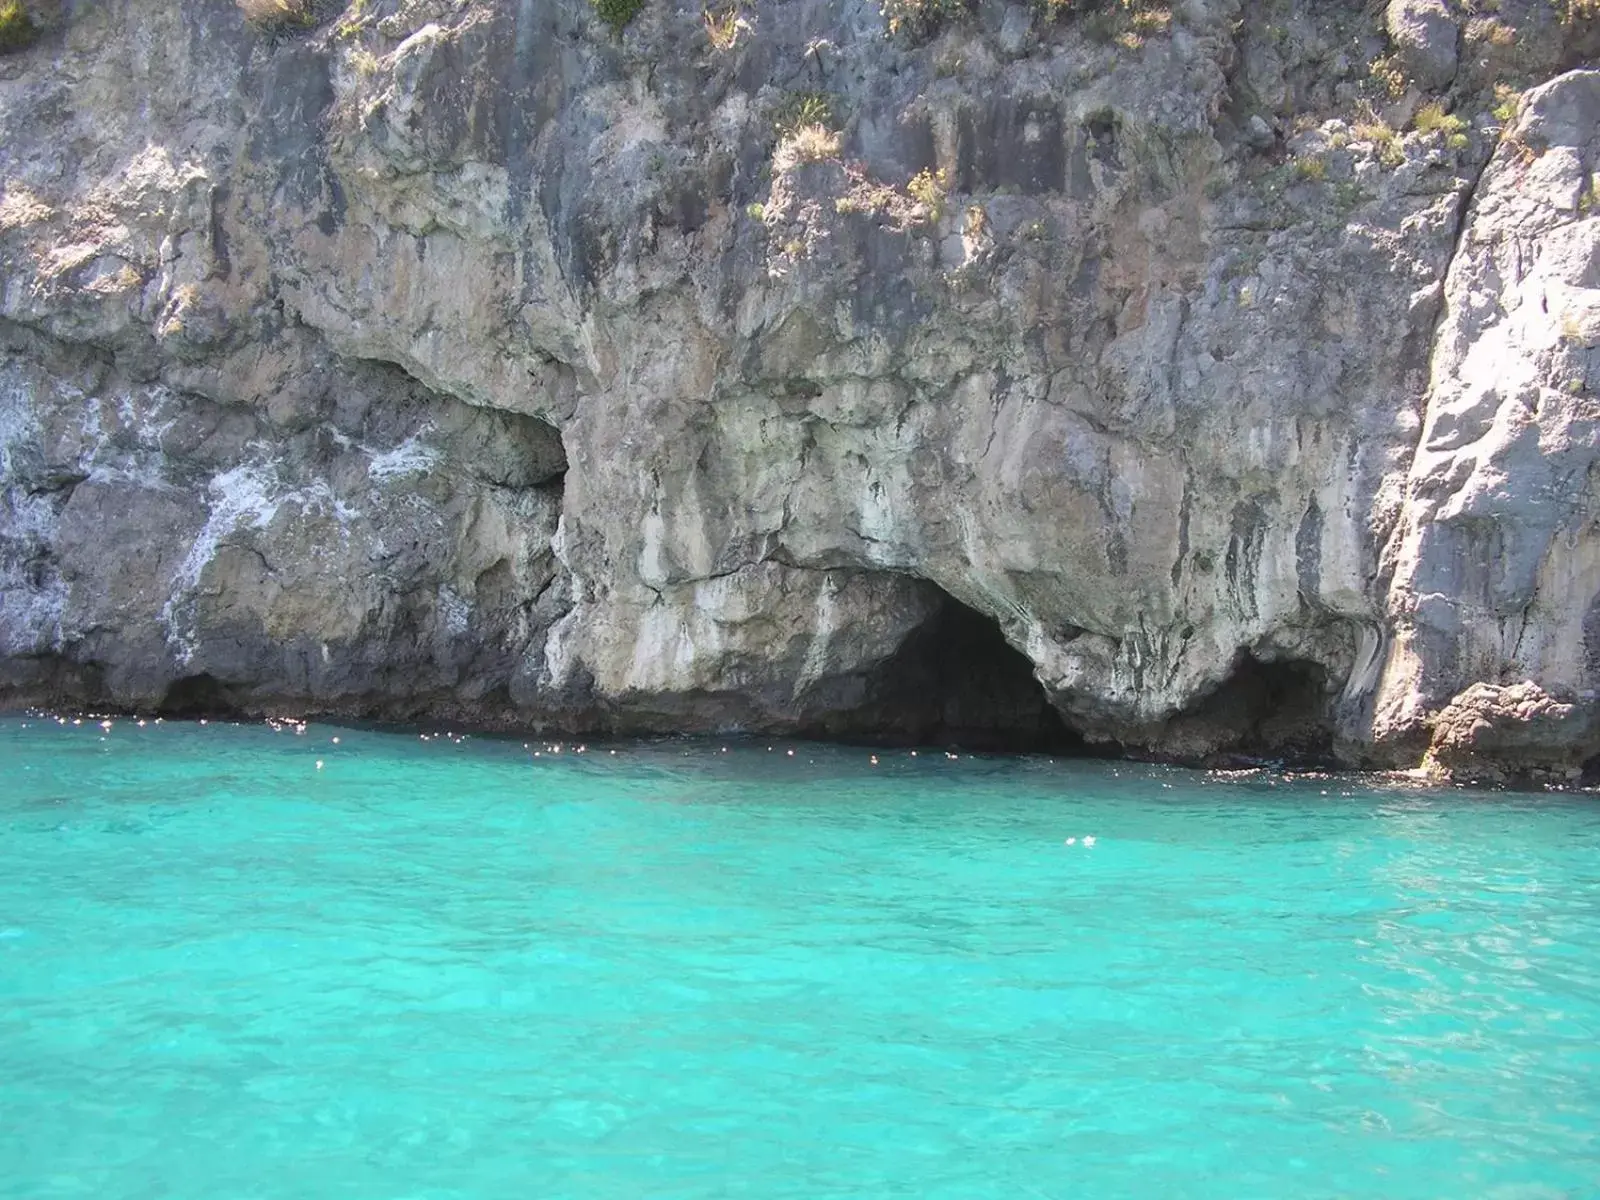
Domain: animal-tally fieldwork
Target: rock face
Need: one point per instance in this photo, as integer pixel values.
(1130, 379)
(1509, 733)
(1495, 563)
(1425, 35)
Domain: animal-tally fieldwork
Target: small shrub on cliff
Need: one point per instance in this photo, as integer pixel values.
(929, 189)
(355, 19)
(1124, 22)
(920, 20)
(1490, 31)
(800, 109)
(809, 143)
(1388, 75)
(1506, 100)
(617, 13)
(807, 130)
(724, 27)
(1432, 118)
(1311, 168)
(1391, 152)
(17, 30)
(274, 15)
(1580, 10)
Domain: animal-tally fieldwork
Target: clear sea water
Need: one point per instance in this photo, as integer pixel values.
(444, 967)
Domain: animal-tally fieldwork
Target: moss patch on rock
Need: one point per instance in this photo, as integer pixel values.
(17, 30)
(617, 13)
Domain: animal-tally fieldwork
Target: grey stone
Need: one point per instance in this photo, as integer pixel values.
(1426, 37)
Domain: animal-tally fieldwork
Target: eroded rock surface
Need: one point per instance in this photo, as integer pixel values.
(465, 358)
(1495, 564)
(1516, 733)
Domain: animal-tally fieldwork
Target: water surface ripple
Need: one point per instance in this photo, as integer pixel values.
(442, 967)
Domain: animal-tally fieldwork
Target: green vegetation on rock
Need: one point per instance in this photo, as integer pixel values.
(1432, 118)
(274, 15)
(922, 19)
(1575, 11)
(17, 30)
(800, 109)
(617, 13)
(1125, 22)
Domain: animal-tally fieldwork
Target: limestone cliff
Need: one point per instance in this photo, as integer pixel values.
(1205, 378)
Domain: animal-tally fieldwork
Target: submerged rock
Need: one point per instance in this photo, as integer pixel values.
(479, 360)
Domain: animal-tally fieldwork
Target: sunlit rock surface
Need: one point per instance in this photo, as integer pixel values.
(1187, 388)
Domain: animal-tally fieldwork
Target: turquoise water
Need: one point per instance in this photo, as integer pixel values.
(447, 968)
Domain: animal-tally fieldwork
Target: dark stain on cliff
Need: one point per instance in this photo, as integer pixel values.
(887, 298)
(915, 145)
(1184, 507)
(1591, 643)
(1011, 142)
(1308, 552)
(296, 93)
(685, 203)
(218, 228)
(51, 680)
(1100, 140)
(1243, 557)
(331, 217)
(1116, 552)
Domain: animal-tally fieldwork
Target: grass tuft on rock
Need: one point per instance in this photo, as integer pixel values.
(920, 20)
(800, 109)
(1432, 118)
(276, 15)
(809, 143)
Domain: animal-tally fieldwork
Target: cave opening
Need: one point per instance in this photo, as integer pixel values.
(196, 696)
(1265, 710)
(956, 682)
(1589, 772)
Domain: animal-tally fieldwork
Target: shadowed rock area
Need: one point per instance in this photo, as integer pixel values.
(955, 681)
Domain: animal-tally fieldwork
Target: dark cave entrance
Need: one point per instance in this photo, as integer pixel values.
(1277, 710)
(957, 682)
(196, 696)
